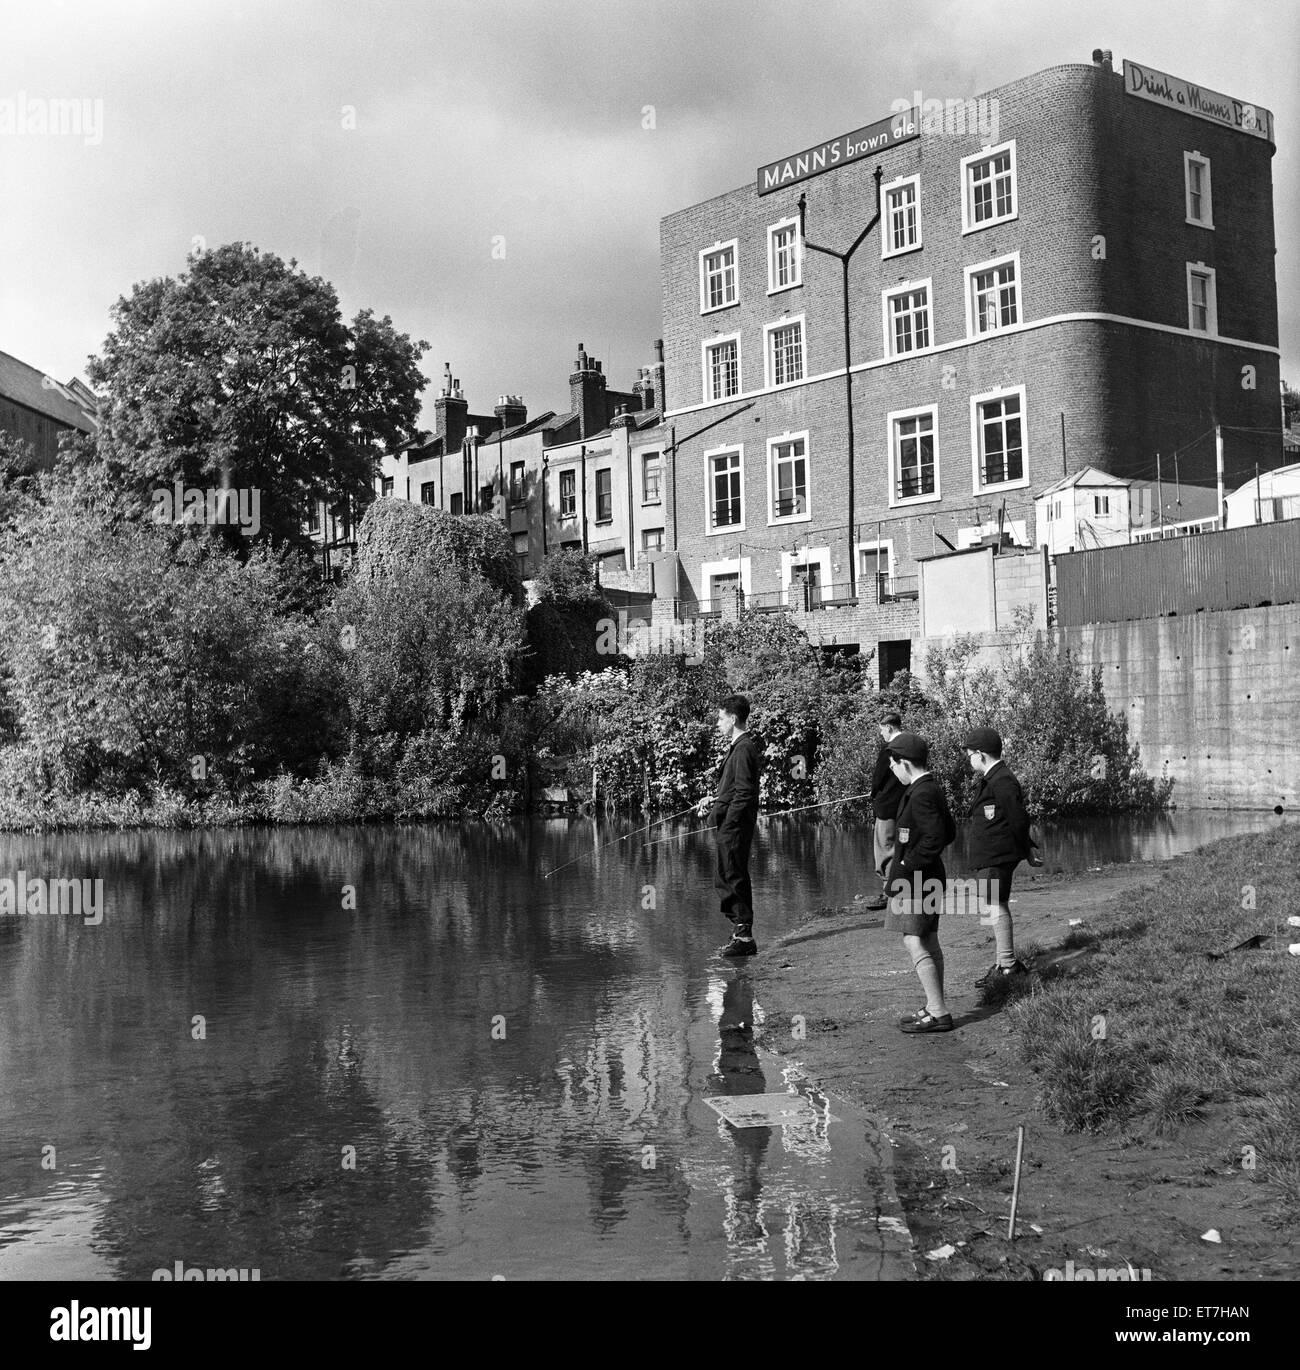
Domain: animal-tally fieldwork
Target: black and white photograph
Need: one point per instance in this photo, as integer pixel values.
(579, 581)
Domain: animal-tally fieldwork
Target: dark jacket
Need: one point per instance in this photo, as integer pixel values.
(735, 810)
(998, 824)
(925, 828)
(886, 789)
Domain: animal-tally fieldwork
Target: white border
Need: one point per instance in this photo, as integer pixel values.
(1000, 393)
(1207, 193)
(714, 341)
(970, 295)
(897, 184)
(967, 205)
(724, 529)
(806, 516)
(886, 319)
(772, 287)
(768, 329)
(1213, 300)
(734, 245)
(892, 474)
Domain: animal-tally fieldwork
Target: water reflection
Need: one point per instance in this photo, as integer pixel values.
(398, 1051)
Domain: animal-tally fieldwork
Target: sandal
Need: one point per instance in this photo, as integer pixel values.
(928, 1022)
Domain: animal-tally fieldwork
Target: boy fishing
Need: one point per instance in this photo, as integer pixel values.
(734, 812)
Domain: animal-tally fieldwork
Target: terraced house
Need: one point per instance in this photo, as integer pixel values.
(885, 347)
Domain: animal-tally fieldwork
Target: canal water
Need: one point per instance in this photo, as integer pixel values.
(401, 1052)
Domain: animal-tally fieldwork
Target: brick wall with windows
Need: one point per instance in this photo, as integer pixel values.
(971, 392)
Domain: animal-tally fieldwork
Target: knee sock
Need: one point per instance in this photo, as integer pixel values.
(930, 973)
(1002, 934)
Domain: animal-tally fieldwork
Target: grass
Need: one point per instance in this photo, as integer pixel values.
(1148, 1035)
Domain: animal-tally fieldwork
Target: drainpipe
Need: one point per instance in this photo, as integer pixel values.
(546, 461)
(582, 458)
(627, 452)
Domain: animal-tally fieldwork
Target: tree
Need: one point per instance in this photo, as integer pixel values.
(240, 372)
(565, 635)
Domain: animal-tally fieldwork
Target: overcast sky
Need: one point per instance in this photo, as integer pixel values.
(478, 120)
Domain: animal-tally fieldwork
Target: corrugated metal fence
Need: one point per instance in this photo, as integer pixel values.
(1236, 569)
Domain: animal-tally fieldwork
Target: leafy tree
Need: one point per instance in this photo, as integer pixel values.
(564, 624)
(241, 372)
(131, 664)
(396, 536)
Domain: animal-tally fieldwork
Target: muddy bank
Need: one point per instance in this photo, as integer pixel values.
(951, 1104)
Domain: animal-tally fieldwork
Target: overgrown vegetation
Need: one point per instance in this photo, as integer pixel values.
(1150, 1033)
(1069, 749)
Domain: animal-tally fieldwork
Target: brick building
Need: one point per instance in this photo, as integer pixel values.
(556, 480)
(36, 409)
(1070, 271)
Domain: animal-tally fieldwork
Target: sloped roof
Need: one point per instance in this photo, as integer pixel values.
(33, 389)
(1088, 477)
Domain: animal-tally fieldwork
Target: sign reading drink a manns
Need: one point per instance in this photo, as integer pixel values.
(1174, 93)
(848, 147)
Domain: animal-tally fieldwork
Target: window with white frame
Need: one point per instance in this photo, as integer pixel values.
(1202, 307)
(605, 495)
(902, 217)
(999, 439)
(568, 494)
(651, 471)
(914, 455)
(988, 187)
(907, 319)
(1196, 171)
(517, 482)
(788, 477)
(726, 490)
(993, 295)
(1100, 506)
(875, 566)
(386, 486)
(718, 277)
(722, 368)
(784, 265)
(652, 539)
(785, 351)
(429, 492)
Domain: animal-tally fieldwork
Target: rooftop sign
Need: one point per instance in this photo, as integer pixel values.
(1174, 93)
(848, 147)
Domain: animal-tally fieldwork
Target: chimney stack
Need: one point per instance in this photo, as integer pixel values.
(587, 396)
(512, 411)
(450, 410)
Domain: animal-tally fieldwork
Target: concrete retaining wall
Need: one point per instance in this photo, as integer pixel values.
(1213, 699)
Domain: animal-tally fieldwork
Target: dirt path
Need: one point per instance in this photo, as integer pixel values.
(951, 1103)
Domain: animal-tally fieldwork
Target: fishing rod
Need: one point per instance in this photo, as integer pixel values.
(615, 841)
(695, 832)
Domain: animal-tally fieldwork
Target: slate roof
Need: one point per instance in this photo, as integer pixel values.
(30, 387)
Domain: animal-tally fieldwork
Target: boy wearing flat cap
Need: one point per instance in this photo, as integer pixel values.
(999, 840)
(917, 878)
